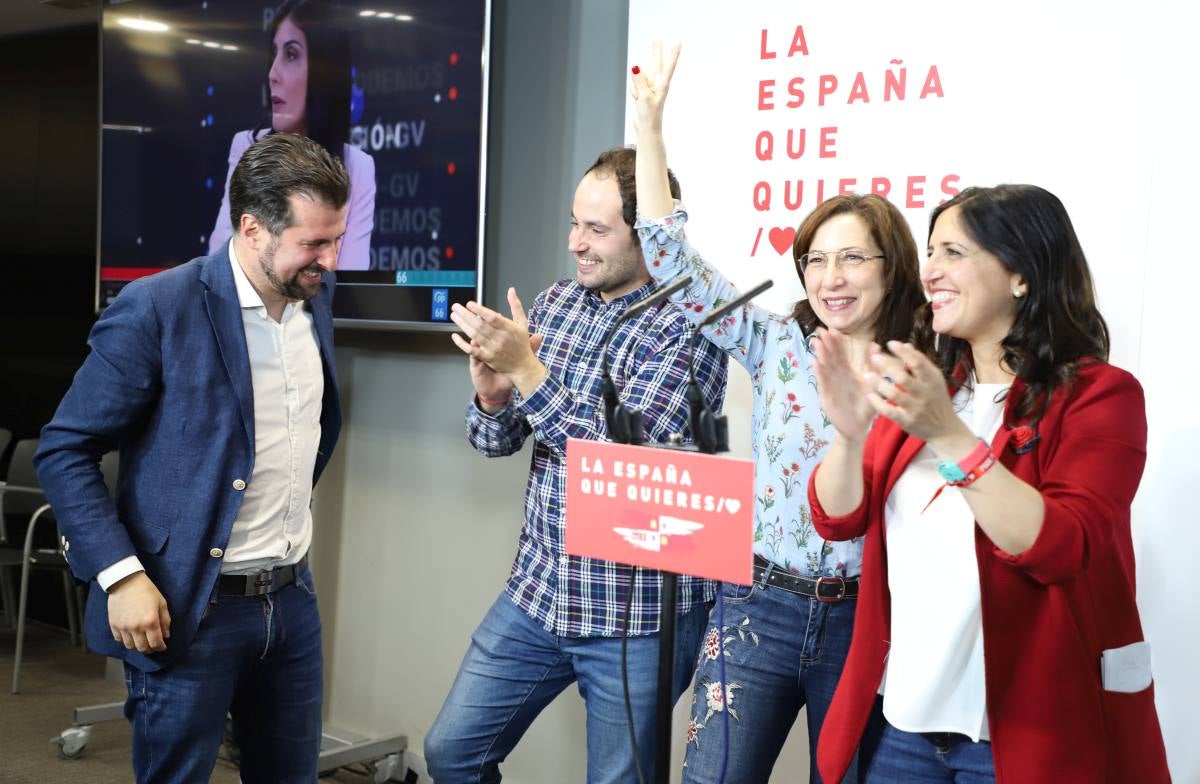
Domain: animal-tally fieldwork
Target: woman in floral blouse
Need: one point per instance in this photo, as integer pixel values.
(780, 642)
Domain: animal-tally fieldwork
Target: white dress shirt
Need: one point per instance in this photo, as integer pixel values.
(274, 524)
(934, 681)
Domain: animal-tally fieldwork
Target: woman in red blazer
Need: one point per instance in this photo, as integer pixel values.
(997, 636)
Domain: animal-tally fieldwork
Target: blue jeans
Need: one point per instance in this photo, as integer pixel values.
(257, 658)
(892, 755)
(783, 652)
(515, 668)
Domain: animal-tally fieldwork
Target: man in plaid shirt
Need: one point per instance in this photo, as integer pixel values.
(560, 617)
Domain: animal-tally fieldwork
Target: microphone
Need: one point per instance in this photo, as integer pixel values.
(734, 304)
(709, 429)
(625, 426)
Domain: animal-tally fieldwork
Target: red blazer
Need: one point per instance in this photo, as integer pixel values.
(1048, 613)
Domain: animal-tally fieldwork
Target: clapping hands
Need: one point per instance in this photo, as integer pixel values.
(900, 383)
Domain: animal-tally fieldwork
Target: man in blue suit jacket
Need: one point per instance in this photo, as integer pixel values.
(215, 381)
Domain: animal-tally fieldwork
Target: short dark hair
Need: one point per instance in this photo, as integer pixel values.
(904, 312)
(621, 163)
(327, 101)
(278, 167)
(1057, 325)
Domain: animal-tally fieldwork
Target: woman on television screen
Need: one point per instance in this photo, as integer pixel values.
(309, 85)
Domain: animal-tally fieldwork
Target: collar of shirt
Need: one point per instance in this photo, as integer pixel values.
(248, 296)
(594, 299)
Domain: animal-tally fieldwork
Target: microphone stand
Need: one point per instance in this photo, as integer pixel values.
(710, 431)
(711, 434)
(625, 425)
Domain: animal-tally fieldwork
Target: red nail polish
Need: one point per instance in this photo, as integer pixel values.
(636, 70)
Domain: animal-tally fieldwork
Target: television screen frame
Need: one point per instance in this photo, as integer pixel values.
(386, 297)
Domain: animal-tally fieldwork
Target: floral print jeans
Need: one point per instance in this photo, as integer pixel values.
(782, 652)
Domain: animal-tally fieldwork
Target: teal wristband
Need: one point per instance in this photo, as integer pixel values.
(957, 473)
(951, 472)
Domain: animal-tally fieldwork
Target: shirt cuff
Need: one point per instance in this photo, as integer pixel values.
(119, 571)
(547, 400)
(475, 402)
(672, 225)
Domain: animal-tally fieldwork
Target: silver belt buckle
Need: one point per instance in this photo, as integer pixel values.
(841, 583)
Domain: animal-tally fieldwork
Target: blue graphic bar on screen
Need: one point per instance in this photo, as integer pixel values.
(455, 278)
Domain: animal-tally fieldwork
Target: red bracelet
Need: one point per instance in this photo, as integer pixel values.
(978, 470)
(972, 461)
(973, 466)
(489, 402)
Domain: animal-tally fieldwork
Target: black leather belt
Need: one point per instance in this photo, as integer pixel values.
(823, 589)
(261, 583)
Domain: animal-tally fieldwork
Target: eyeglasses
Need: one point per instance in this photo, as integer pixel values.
(848, 259)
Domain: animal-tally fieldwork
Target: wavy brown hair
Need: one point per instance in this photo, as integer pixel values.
(904, 313)
(1057, 326)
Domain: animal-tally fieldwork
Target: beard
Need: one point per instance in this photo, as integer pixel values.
(291, 288)
(614, 273)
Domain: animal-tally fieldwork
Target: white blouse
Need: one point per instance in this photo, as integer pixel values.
(934, 680)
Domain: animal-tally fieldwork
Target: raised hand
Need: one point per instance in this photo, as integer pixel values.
(843, 392)
(649, 86)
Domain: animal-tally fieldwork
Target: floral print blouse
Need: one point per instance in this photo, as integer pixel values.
(790, 432)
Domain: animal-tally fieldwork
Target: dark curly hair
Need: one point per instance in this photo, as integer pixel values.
(1057, 327)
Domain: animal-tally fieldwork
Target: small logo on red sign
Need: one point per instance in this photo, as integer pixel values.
(666, 509)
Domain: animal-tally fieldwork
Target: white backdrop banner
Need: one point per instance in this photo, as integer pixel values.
(777, 105)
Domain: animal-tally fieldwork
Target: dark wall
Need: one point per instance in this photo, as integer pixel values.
(49, 89)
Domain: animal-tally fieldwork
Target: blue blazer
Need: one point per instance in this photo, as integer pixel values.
(167, 382)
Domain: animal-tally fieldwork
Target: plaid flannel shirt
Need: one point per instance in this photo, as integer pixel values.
(568, 595)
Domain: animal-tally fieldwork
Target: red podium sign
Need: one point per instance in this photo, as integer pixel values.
(683, 512)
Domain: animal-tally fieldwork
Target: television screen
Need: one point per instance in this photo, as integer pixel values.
(396, 88)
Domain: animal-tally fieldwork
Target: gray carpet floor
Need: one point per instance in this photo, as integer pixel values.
(56, 678)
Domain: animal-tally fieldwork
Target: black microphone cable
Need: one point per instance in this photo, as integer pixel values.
(711, 434)
(637, 759)
(625, 427)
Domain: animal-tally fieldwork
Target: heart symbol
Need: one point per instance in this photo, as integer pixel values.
(733, 505)
(781, 239)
